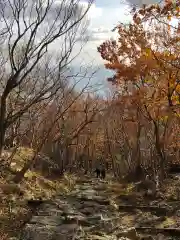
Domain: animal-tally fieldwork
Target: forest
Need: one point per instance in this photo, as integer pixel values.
(51, 127)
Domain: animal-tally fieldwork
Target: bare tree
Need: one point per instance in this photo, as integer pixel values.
(48, 127)
(28, 29)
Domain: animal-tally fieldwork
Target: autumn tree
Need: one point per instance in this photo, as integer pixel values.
(59, 122)
(145, 61)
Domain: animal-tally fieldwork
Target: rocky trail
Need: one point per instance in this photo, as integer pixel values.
(93, 211)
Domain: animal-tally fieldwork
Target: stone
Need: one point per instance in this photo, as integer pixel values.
(81, 220)
(99, 237)
(175, 177)
(160, 195)
(68, 211)
(147, 238)
(87, 211)
(178, 213)
(95, 217)
(123, 238)
(63, 232)
(84, 213)
(32, 232)
(100, 188)
(129, 233)
(161, 237)
(46, 220)
(101, 200)
(88, 204)
(165, 205)
(68, 228)
(50, 212)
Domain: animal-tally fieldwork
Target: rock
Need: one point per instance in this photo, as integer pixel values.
(160, 195)
(98, 199)
(178, 213)
(34, 203)
(84, 213)
(148, 186)
(79, 219)
(37, 232)
(67, 228)
(129, 233)
(176, 177)
(88, 204)
(147, 238)
(138, 212)
(87, 211)
(123, 238)
(101, 200)
(100, 188)
(95, 218)
(104, 237)
(165, 205)
(153, 203)
(63, 232)
(161, 237)
(68, 211)
(46, 220)
(50, 212)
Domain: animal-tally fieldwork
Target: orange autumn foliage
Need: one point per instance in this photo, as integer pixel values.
(146, 61)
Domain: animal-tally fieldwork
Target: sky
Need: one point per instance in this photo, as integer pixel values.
(104, 15)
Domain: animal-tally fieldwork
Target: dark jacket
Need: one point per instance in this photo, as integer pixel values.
(99, 164)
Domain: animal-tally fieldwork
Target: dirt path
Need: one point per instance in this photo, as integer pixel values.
(94, 211)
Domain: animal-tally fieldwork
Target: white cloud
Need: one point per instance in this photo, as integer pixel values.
(95, 12)
(102, 21)
(139, 3)
(100, 34)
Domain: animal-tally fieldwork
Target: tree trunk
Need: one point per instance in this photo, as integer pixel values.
(138, 168)
(111, 155)
(159, 151)
(2, 122)
(138, 153)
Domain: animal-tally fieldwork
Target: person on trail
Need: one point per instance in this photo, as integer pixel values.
(100, 169)
(97, 171)
(103, 173)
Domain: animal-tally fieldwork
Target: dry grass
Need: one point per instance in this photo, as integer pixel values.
(168, 222)
(120, 188)
(117, 190)
(128, 219)
(171, 189)
(13, 204)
